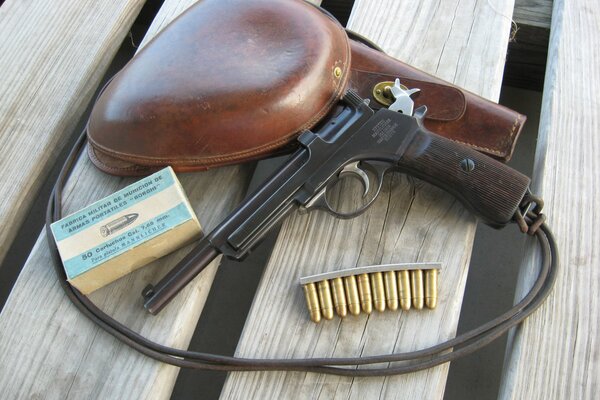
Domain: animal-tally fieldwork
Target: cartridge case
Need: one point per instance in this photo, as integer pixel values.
(364, 292)
(404, 289)
(378, 291)
(312, 301)
(325, 300)
(431, 288)
(339, 297)
(416, 288)
(351, 289)
(391, 290)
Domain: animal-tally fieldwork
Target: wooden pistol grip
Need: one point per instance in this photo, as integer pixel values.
(490, 189)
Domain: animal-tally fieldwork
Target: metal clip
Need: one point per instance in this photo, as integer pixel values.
(378, 287)
(529, 215)
(403, 102)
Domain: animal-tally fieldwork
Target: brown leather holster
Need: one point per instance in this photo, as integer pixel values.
(233, 81)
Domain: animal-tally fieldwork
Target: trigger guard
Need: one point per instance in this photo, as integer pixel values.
(379, 169)
(351, 215)
(319, 201)
(352, 169)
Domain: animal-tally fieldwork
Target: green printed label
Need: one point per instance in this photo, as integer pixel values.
(111, 205)
(127, 240)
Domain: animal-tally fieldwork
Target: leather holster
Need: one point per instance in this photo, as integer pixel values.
(233, 81)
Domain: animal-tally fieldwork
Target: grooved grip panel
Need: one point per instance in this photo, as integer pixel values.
(490, 189)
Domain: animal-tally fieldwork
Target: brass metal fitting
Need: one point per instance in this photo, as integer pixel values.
(383, 94)
(337, 72)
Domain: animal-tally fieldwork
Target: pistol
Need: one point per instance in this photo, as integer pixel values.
(355, 141)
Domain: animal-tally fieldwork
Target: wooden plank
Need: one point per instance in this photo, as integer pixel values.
(556, 353)
(51, 350)
(533, 13)
(461, 41)
(53, 57)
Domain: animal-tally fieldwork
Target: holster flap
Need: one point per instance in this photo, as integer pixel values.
(225, 82)
(452, 112)
(232, 81)
(444, 102)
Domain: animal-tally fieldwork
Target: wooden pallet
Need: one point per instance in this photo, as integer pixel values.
(50, 349)
(50, 70)
(53, 56)
(556, 352)
(465, 43)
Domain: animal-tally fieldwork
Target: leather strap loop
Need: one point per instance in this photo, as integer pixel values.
(408, 362)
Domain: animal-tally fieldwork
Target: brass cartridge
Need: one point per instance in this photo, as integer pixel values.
(378, 291)
(339, 298)
(431, 288)
(391, 290)
(404, 289)
(392, 286)
(364, 292)
(312, 301)
(325, 299)
(416, 280)
(352, 295)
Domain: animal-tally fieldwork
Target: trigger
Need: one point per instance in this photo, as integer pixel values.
(353, 168)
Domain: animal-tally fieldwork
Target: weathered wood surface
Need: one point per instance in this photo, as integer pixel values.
(461, 41)
(53, 55)
(533, 12)
(50, 350)
(556, 353)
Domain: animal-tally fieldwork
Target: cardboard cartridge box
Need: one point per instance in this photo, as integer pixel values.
(124, 231)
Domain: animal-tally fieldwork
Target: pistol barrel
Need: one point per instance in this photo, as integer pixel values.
(320, 156)
(158, 296)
